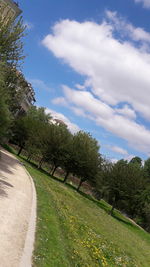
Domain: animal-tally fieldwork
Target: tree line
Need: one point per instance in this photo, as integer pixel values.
(54, 144)
(124, 185)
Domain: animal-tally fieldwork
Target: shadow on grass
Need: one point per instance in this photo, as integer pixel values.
(117, 215)
(124, 220)
(8, 148)
(34, 165)
(102, 204)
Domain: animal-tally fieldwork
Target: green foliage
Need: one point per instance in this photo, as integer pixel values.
(101, 190)
(29, 129)
(11, 33)
(85, 155)
(126, 187)
(16, 87)
(11, 53)
(5, 117)
(136, 160)
(147, 167)
(57, 145)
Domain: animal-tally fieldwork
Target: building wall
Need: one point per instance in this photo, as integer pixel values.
(11, 9)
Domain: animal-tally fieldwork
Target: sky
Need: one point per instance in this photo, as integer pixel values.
(89, 64)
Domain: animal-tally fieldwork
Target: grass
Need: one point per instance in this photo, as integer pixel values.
(8, 148)
(75, 230)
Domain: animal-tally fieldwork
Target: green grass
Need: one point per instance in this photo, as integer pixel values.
(8, 148)
(75, 230)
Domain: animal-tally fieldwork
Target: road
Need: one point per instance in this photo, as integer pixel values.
(17, 213)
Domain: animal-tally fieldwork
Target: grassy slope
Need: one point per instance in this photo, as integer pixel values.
(74, 231)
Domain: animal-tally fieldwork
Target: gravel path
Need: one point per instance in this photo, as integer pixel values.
(17, 213)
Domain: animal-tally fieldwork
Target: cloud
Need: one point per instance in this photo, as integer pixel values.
(59, 101)
(135, 134)
(117, 71)
(126, 111)
(79, 86)
(118, 150)
(127, 29)
(39, 84)
(129, 157)
(71, 126)
(146, 3)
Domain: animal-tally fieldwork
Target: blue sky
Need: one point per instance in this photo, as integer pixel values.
(89, 63)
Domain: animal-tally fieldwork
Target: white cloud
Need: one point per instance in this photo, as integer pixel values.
(39, 84)
(118, 150)
(126, 111)
(137, 135)
(79, 86)
(129, 157)
(116, 70)
(56, 115)
(146, 3)
(126, 28)
(60, 101)
(78, 111)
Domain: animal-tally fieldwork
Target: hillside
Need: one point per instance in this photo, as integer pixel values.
(73, 230)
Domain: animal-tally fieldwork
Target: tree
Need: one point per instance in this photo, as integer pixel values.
(117, 182)
(11, 52)
(125, 182)
(27, 130)
(11, 33)
(5, 117)
(20, 133)
(17, 88)
(83, 157)
(136, 160)
(135, 185)
(56, 145)
(147, 167)
(101, 188)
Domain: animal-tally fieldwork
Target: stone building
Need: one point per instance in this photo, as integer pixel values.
(25, 89)
(28, 99)
(10, 8)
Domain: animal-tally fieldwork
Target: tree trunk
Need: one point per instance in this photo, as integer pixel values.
(54, 170)
(81, 181)
(113, 207)
(111, 212)
(29, 157)
(51, 169)
(40, 163)
(19, 152)
(66, 176)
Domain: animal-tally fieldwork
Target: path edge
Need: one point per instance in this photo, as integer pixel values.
(27, 254)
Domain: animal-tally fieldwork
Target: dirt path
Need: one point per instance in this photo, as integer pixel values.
(17, 213)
